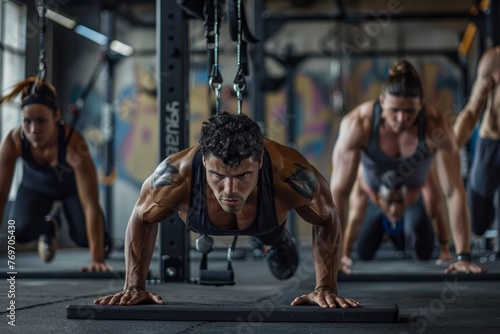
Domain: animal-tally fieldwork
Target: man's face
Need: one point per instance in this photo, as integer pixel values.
(399, 112)
(231, 186)
(392, 204)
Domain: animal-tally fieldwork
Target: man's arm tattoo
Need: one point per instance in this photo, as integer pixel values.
(162, 176)
(303, 181)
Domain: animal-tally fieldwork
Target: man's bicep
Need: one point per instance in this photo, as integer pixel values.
(302, 181)
(321, 208)
(155, 203)
(479, 96)
(317, 212)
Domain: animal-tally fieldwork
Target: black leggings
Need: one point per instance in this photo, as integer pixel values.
(30, 209)
(482, 210)
(484, 182)
(417, 236)
(274, 237)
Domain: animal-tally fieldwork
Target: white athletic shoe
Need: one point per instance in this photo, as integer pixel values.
(47, 243)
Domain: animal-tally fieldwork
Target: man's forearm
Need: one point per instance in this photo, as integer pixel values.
(460, 225)
(456, 200)
(464, 126)
(139, 247)
(326, 252)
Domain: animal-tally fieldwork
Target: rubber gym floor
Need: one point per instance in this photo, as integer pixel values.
(427, 300)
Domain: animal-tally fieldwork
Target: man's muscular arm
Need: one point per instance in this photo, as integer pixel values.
(481, 89)
(321, 213)
(141, 234)
(447, 152)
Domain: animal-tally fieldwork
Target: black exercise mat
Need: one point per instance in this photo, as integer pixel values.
(62, 274)
(415, 277)
(258, 312)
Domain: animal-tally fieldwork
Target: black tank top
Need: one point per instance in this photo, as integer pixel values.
(58, 181)
(266, 219)
(413, 169)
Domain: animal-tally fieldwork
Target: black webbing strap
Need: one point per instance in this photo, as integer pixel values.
(213, 19)
(42, 67)
(232, 17)
(247, 36)
(209, 22)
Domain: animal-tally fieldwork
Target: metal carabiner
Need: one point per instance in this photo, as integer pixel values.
(239, 86)
(40, 75)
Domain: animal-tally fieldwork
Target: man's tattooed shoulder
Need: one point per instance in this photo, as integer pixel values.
(303, 181)
(164, 175)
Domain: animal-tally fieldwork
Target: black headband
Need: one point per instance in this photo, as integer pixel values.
(40, 99)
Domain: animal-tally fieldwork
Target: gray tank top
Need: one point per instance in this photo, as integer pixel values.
(58, 181)
(412, 170)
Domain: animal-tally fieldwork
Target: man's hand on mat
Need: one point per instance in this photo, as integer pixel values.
(97, 266)
(464, 267)
(326, 298)
(130, 297)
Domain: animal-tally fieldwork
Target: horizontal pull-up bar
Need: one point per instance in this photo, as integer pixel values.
(363, 17)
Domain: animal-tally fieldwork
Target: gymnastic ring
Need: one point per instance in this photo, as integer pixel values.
(108, 180)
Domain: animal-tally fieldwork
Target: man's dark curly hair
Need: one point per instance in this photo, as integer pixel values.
(231, 138)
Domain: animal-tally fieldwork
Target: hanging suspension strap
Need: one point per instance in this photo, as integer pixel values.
(233, 6)
(210, 36)
(239, 31)
(42, 67)
(239, 83)
(215, 80)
